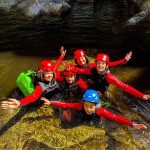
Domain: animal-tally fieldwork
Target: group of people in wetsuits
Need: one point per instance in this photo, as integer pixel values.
(80, 88)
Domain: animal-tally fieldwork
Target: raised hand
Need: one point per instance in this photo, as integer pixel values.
(139, 126)
(128, 56)
(10, 104)
(146, 97)
(46, 101)
(67, 66)
(62, 51)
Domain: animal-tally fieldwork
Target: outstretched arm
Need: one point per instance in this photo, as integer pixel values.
(121, 61)
(82, 84)
(10, 104)
(14, 103)
(138, 126)
(119, 119)
(57, 64)
(127, 88)
(76, 106)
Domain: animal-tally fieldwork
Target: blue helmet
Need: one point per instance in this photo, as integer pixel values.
(91, 96)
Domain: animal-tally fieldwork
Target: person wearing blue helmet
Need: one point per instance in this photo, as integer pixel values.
(91, 109)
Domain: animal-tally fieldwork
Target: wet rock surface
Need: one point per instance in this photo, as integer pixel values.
(143, 15)
(33, 8)
(85, 24)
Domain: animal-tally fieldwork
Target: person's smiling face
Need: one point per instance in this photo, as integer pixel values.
(101, 66)
(89, 107)
(81, 60)
(48, 76)
(70, 78)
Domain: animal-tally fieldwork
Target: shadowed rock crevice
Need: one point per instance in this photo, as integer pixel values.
(100, 24)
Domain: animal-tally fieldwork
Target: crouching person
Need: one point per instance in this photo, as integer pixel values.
(91, 110)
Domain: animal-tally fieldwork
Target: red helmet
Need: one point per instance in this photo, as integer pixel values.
(68, 73)
(46, 65)
(78, 53)
(102, 57)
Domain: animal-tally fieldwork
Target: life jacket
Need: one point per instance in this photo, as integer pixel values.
(100, 82)
(26, 82)
(50, 89)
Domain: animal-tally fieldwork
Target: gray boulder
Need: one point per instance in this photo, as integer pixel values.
(8, 4)
(34, 7)
(144, 6)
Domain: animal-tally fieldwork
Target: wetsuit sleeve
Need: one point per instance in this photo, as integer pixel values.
(82, 84)
(127, 88)
(77, 106)
(113, 117)
(32, 97)
(57, 64)
(85, 71)
(117, 63)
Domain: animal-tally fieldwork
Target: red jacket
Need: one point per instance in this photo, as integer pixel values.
(101, 112)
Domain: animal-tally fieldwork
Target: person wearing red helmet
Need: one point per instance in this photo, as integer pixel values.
(91, 112)
(46, 85)
(72, 86)
(81, 58)
(101, 78)
(82, 61)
